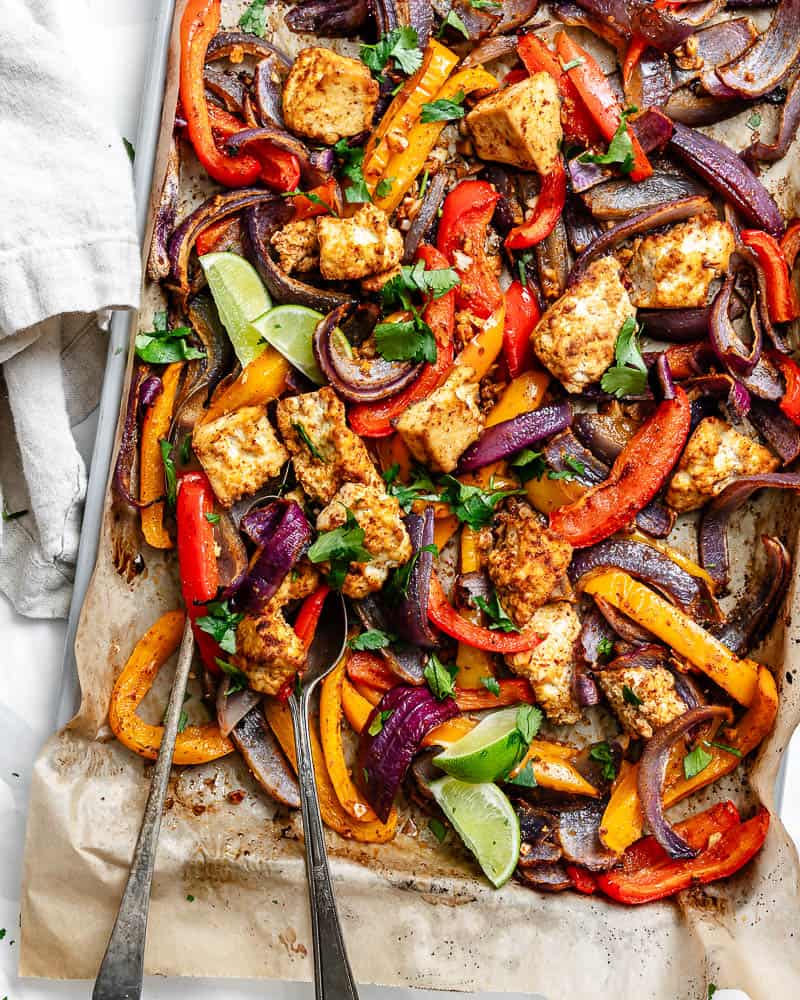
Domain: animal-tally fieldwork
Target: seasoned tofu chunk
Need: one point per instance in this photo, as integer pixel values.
(385, 535)
(297, 245)
(328, 97)
(358, 247)
(715, 454)
(550, 666)
(653, 686)
(673, 270)
(439, 429)
(575, 338)
(520, 125)
(239, 452)
(527, 562)
(325, 452)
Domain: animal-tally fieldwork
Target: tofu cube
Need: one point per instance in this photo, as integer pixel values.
(674, 270)
(239, 452)
(328, 97)
(714, 455)
(359, 246)
(297, 245)
(519, 125)
(440, 428)
(575, 337)
(653, 686)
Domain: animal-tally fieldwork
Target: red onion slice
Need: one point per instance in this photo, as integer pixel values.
(507, 438)
(261, 752)
(770, 58)
(410, 617)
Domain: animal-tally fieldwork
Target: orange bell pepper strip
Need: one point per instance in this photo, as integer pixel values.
(546, 212)
(309, 207)
(473, 664)
(548, 495)
(513, 691)
(330, 728)
(196, 744)
(522, 315)
(375, 419)
(201, 19)
(155, 427)
(636, 48)
(598, 97)
(552, 767)
(481, 352)
(394, 451)
(677, 630)
(333, 814)
(443, 530)
(782, 302)
(659, 877)
(263, 380)
(636, 476)
(622, 821)
(217, 236)
(403, 167)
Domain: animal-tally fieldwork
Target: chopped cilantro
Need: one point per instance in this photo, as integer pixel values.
(491, 684)
(526, 778)
(436, 282)
(573, 64)
(601, 752)
(185, 450)
(441, 677)
(444, 109)
(472, 505)
(302, 433)
(495, 612)
(190, 898)
(406, 340)
(254, 19)
(309, 196)
(352, 163)
(605, 647)
(397, 587)
(630, 697)
(221, 622)
(162, 346)
(574, 468)
(437, 828)
(620, 149)
(421, 488)
(400, 44)
(529, 464)
(373, 638)
(340, 547)
(723, 746)
(485, 4)
(183, 721)
(628, 375)
(529, 719)
(170, 475)
(754, 121)
(696, 761)
(238, 677)
(453, 21)
(384, 187)
(129, 149)
(12, 515)
(522, 266)
(213, 518)
(377, 723)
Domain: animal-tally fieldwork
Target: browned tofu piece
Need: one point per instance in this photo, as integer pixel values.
(328, 97)
(527, 563)
(519, 125)
(439, 428)
(385, 535)
(575, 337)
(653, 686)
(239, 452)
(358, 247)
(714, 455)
(341, 455)
(550, 666)
(297, 245)
(674, 269)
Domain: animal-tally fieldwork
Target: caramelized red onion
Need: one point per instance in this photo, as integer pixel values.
(679, 325)
(329, 18)
(713, 534)
(226, 43)
(652, 128)
(282, 533)
(205, 322)
(261, 752)
(158, 260)
(653, 768)
(617, 198)
(729, 347)
(267, 77)
(766, 63)
(717, 44)
(723, 386)
(406, 661)
(426, 217)
(692, 108)
(514, 14)
(126, 456)
(311, 176)
(662, 29)
(232, 708)
(780, 433)
(490, 49)
(410, 616)
(408, 714)
(579, 836)
(626, 628)
(510, 436)
(650, 82)
(787, 130)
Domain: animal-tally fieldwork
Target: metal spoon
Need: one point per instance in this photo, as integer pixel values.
(122, 968)
(333, 979)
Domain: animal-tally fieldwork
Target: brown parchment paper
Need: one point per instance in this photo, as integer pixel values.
(414, 912)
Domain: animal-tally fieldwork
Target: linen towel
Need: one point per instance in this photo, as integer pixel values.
(68, 251)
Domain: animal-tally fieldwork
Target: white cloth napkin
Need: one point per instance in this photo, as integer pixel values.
(68, 250)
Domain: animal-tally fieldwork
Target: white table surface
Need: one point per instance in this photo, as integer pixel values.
(113, 42)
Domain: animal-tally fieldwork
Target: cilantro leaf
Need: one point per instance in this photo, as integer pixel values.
(170, 475)
(309, 196)
(413, 278)
(221, 622)
(400, 44)
(437, 828)
(529, 464)
(491, 684)
(129, 149)
(377, 723)
(444, 109)
(453, 21)
(352, 163)
(397, 588)
(754, 121)
(602, 753)
(254, 19)
(441, 677)
(421, 488)
(472, 505)
(630, 697)
(485, 4)
(696, 761)
(239, 681)
(620, 150)
(723, 746)
(340, 547)
(495, 612)
(162, 346)
(529, 719)
(407, 340)
(526, 778)
(373, 638)
(605, 647)
(303, 434)
(384, 187)
(574, 468)
(628, 375)
(213, 518)
(573, 64)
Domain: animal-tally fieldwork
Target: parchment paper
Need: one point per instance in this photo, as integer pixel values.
(414, 912)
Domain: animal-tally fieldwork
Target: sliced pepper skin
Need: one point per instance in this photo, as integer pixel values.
(375, 419)
(201, 19)
(782, 301)
(155, 427)
(522, 315)
(196, 744)
(197, 558)
(546, 212)
(636, 476)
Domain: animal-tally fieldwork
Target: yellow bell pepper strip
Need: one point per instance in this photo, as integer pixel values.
(333, 815)
(678, 557)
(403, 167)
(522, 395)
(330, 729)
(552, 768)
(443, 530)
(370, 694)
(394, 451)
(264, 379)
(482, 351)
(155, 427)
(648, 609)
(355, 706)
(404, 112)
(472, 663)
(547, 495)
(622, 821)
(196, 744)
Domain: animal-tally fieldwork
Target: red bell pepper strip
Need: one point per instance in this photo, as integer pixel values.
(197, 558)
(305, 627)
(790, 243)
(466, 214)
(736, 845)
(445, 617)
(790, 403)
(522, 315)
(582, 880)
(218, 236)
(636, 47)
(636, 476)
(577, 123)
(546, 213)
(307, 208)
(199, 24)
(375, 419)
(688, 360)
(782, 301)
(280, 170)
(597, 95)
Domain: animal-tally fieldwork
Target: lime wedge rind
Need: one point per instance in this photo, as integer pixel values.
(240, 297)
(487, 752)
(290, 330)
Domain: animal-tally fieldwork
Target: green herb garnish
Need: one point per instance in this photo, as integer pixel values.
(526, 778)
(444, 109)
(221, 622)
(238, 677)
(437, 828)
(620, 150)
(170, 475)
(351, 159)
(495, 612)
(372, 639)
(492, 686)
(441, 677)
(400, 44)
(377, 723)
(630, 697)
(340, 547)
(453, 21)
(302, 433)
(628, 375)
(162, 346)
(602, 753)
(254, 19)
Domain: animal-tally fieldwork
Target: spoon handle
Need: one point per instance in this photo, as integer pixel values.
(333, 979)
(122, 968)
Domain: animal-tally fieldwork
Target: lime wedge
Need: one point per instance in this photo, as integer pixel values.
(289, 329)
(486, 822)
(490, 750)
(240, 297)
